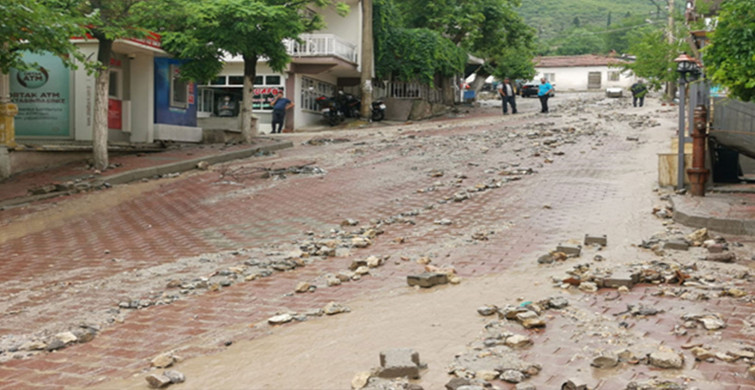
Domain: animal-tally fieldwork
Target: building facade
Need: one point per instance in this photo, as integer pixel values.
(584, 72)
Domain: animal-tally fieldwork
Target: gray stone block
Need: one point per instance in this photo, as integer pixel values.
(157, 381)
(621, 278)
(569, 250)
(676, 244)
(427, 279)
(400, 362)
(599, 240)
(456, 383)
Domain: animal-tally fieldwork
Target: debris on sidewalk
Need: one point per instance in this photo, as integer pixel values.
(169, 377)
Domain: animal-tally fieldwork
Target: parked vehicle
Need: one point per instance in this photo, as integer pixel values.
(331, 110)
(378, 110)
(531, 88)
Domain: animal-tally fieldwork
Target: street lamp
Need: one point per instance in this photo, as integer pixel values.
(686, 66)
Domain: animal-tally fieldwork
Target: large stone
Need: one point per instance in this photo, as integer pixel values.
(676, 244)
(518, 341)
(427, 279)
(280, 319)
(486, 375)
(605, 360)
(727, 257)
(163, 360)
(456, 383)
(157, 381)
(574, 384)
(333, 308)
(175, 376)
(621, 278)
(601, 240)
(666, 359)
(399, 362)
(66, 337)
(525, 386)
(512, 376)
(570, 250)
(360, 380)
(531, 323)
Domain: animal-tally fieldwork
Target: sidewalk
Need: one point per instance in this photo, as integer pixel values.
(73, 177)
(729, 209)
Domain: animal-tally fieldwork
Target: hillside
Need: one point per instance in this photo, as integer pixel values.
(552, 17)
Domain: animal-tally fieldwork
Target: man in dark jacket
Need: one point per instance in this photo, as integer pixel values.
(639, 90)
(507, 91)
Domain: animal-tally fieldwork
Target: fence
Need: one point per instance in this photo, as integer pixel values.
(408, 90)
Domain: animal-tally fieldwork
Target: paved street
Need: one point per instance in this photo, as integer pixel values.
(167, 265)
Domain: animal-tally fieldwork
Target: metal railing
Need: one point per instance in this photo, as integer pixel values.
(318, 45)
(408, 90)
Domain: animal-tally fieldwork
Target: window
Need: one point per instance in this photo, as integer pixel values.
(179, 89)
(235, 80)
(114, 87)
(272, 80)
(614, 76)
(311, 90)
(220, 80)
(258, 80)
(550, 77)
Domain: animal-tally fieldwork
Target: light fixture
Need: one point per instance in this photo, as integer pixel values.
(687, 66)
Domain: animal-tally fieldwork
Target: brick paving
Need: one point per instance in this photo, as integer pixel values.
(366, 179)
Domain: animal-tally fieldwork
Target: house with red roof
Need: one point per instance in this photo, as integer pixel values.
(584, 72)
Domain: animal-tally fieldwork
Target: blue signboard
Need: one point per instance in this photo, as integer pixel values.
(175, 99)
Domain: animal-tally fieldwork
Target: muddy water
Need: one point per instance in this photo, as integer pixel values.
(438, 323)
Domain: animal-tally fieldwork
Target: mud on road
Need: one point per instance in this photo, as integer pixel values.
(481, 197)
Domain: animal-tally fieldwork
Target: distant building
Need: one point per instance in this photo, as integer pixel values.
(584, 72)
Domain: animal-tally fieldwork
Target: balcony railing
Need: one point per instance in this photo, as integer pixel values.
(318, 45)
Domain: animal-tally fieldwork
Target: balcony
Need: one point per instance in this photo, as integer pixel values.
(322, 45)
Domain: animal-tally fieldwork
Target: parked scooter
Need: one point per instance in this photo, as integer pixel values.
(352, 106)
(378, 110)
(331, 110)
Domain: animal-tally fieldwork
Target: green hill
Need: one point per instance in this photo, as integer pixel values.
(552, 17)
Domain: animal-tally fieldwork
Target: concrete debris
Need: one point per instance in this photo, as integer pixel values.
(361, 379)
(280, 319)
(157, 381)
(427, 279)
(679, 244)
(601, 240)
(605, 360)
(456, 383)
(487, 310)
(570, 250)
(667, 359)
(175, 376)
(710, 321)
(655, 384)
(727, 257)
(333, 308)
(400, 362)
(512, 376)
(574, 384)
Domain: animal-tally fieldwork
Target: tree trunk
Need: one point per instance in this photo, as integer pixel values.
(248, 126)
(367, 59)
(101, 88)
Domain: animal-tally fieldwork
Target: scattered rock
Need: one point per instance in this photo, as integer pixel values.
(666, 359)
(512, 376)
(157, 381)
(605, 360)
(676, 244)
(456, 383)
(601, 240)
(728, 257)
(303, 287)
(175, 376)
(360, 380)
(280, 319)
(333, 308)
(487, 310)
(427, 279)
(400, 362)
(163, 360)
(570, 250)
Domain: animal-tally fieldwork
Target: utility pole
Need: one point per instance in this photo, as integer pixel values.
(367, 59)
(670, 85)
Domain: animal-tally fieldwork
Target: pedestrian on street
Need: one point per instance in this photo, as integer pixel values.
(639, 90)
(507, 91)
(543, 93)
(280, 105)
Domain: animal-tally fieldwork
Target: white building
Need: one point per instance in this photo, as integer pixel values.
(584, 72)
(325, 62)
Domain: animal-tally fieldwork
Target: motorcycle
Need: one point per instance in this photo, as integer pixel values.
(331, 110)
(378, 110)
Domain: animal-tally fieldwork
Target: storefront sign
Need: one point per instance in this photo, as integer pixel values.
(264, 96)
(42, 96)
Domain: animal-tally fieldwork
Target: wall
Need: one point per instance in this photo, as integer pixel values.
(575, 78)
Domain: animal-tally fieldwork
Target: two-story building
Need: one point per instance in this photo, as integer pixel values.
(321, 64)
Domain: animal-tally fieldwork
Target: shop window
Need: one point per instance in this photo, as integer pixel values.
(179, 89)
(272, 80)
(235, 80)
(258, 80)
(220, 80)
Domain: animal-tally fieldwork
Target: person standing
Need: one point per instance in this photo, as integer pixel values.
(543, 93)
(508, 96)
(639, 90)
(280, 105)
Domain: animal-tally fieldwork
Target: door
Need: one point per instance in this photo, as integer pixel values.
(593, 80)
(206, 99)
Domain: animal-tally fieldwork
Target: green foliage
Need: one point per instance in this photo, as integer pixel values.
(37, 26)
(208, 29)
(411, 54)
(580, 41)
(730, 57)
(514, 63)
(654, 58)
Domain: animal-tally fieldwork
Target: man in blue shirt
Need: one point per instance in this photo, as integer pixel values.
(543, 93)
(280, 105)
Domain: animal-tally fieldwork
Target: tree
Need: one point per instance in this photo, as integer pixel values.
(37, 26)
(730, 57)
(252, 29)
(580, 41)
(487, 29)
(654, 58)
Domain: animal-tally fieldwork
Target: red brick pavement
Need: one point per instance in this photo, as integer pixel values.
(200, 214)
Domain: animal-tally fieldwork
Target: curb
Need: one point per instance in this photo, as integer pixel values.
(691, 216)
(142, 173)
